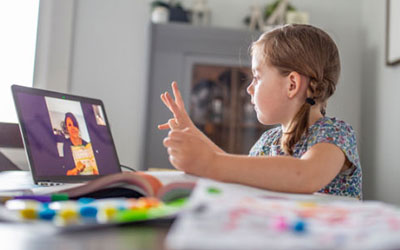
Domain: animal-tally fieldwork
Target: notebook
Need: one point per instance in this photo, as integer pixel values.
(67, 138)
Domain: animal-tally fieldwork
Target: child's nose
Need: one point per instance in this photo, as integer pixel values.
(250, 89)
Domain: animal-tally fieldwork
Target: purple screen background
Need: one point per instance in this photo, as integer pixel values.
(43, 143)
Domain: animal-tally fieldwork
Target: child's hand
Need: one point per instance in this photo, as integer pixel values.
(181, 119)
(189, 152)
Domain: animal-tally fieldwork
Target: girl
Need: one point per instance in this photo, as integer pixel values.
(295, 70)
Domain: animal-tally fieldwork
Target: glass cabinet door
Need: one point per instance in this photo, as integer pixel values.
(221, 107)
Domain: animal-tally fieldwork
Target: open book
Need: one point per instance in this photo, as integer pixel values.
(162, 184)
(166, 186)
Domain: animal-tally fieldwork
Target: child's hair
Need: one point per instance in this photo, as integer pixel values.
(308, 51)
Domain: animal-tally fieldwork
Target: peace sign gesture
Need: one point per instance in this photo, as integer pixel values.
(181, 118)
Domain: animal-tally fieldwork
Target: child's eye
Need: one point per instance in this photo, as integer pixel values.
(247, 79)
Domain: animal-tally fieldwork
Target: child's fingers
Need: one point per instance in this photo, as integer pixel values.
(173, 124)
(163, 126)
(180, 135)
(187, 131)
(174, 108)
(164, 100)
(171, 143)
(178, 96)
(172, 151)
(175, 162)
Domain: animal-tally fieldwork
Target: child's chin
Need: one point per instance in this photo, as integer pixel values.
(265, 121)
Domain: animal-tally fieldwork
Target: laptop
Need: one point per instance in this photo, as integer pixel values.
(67, 138)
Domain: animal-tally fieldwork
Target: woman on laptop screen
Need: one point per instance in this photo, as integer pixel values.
(78, 154)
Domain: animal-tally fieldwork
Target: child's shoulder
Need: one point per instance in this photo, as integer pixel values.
(333, 130)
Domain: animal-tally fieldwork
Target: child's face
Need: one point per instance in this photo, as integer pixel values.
(268, 93)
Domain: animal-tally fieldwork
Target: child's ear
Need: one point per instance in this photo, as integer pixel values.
(294, 84)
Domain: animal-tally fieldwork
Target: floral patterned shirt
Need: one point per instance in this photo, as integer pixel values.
(325, 130)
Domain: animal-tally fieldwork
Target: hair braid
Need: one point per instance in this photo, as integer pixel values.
(297, 127)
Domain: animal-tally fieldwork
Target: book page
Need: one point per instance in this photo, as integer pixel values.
(222, 216)
(228, 191)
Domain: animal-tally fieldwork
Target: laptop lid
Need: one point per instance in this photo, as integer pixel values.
(67, 138)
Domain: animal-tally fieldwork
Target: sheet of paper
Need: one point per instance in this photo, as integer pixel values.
(228, 216)
(232, 191)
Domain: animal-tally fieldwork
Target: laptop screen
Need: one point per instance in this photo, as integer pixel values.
(67, 138)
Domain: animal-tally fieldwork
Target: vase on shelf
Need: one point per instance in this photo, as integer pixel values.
(201, 13)
(160, 14)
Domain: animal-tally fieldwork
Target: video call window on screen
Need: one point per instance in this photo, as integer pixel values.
(73, 140)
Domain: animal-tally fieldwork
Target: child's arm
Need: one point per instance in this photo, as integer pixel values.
(181, 119)
(314, 170)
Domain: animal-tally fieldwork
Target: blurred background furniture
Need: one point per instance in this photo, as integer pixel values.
(12, 156)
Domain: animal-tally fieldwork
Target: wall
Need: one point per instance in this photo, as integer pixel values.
(381, 106)
(54, 44)
(109, 61)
